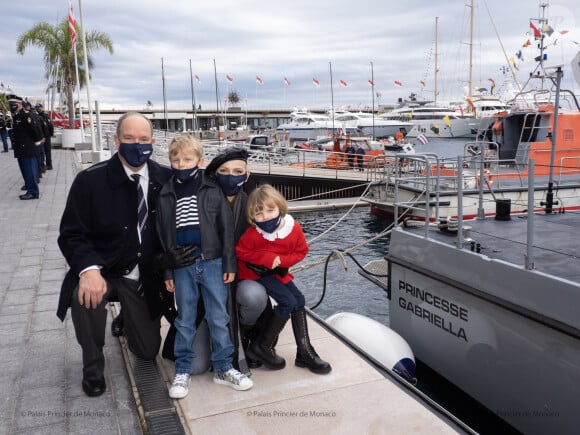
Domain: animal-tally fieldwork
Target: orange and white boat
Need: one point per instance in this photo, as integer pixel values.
(492, 174)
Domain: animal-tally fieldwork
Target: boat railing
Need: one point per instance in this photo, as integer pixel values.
(568, 166)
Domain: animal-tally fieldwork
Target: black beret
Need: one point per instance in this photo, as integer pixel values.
(13, 98)
(226, 155)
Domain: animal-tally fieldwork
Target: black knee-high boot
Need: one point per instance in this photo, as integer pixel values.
(306, 356)
(262, 349)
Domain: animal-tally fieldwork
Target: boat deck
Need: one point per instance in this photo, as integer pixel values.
(353, 398)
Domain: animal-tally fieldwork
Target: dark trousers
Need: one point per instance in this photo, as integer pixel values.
(29, 169)
(40, 157)
(47, 148)
(141, 332)
(288, 297)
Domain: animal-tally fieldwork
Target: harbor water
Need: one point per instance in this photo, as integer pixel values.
(347, 290)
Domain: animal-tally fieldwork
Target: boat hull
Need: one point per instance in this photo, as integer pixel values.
(464, 322)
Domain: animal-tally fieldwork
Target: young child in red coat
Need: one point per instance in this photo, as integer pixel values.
(274, 243)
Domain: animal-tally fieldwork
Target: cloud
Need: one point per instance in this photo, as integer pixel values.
(299, 40)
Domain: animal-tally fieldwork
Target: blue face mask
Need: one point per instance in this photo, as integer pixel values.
(136, 154)
(231, 184)
(184, 175)
(270, 225)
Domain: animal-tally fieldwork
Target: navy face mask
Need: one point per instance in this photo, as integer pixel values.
(270, 225)
(231, 184)
(136, 154)
(184, 175)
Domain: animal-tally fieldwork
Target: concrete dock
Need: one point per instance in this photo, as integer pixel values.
(41, 368)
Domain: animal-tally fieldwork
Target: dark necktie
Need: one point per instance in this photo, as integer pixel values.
(142, 205)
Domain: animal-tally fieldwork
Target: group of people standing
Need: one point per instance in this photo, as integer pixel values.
(30, 136)
(355, 156)
(184, 243)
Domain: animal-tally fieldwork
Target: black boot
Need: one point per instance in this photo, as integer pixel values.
(249, 335)
(262, 349)
(306, 356)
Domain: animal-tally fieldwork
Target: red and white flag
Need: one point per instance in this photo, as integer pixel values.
(535, 31)
(423, 83)
(197, 79)
(316, 82)
(423, 139)
(259, 80)
(72, 24)
(371, 82)
(229, 78)
(398, 83)
(343, 83)
(286, 81)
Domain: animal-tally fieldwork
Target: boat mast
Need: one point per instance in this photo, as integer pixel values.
(164, 98)
(435, 92)
(373, 94)
(470, 80)
(193, 104)
(331, 99)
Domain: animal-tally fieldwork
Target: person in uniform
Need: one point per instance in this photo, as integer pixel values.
(25, 135)
(48, 129)
(4, 132)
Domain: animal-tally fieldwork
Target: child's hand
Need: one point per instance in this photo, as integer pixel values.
(276, 262)
(169, 285)
(229, 277)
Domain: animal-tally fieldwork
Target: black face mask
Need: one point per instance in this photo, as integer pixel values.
(270, 225)
(13, 107)
(184, 175)
(136, 154)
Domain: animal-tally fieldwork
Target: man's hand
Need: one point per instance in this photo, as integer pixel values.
(92, 288)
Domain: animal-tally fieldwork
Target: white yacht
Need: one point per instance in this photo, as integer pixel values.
(305, 125)
(371, 125)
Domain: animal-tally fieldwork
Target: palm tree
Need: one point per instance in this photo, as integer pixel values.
(58, 52)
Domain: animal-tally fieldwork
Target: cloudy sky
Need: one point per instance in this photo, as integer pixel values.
(299, 40)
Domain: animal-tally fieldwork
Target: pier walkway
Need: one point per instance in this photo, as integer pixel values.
(41, 367)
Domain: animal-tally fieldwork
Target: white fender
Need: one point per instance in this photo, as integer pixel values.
(379, 341)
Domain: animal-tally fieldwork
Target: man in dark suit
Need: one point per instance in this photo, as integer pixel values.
(111, 250)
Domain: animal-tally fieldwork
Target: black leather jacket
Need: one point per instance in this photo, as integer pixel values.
(215, 223)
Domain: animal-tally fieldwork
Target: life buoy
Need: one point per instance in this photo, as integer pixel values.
(487, 177)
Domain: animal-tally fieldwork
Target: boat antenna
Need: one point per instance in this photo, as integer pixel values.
(553, 136)
(331, 98)
(435, 92)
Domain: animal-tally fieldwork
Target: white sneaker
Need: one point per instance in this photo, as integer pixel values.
(180, 386)
(234, 379)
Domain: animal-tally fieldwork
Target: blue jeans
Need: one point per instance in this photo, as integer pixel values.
(288, 297)
(4, 141)
(203, 278)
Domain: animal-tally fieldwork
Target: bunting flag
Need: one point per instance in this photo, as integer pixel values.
(547, 29)
(526, 44)
(229, 78)
(72, 24)
(492, 85)
(470, 103)
(423, 139)
(343, 83)
(422, 82)
(371, 82)
(286, 81)
(447, 120)
(398, 83)
(197, 79)
(315, 81)
(563, 32)
(259, 80)
(535, 31)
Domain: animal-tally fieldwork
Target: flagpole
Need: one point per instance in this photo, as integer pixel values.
(87, 78)
(79, 92)
(373, 94)
(193, 104)
(217, 101)
(164, 98)
(331, 97)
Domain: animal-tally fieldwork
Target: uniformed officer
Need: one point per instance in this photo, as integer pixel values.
(25, 136)
(48, 129)
(30, 109)
(4, 132)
